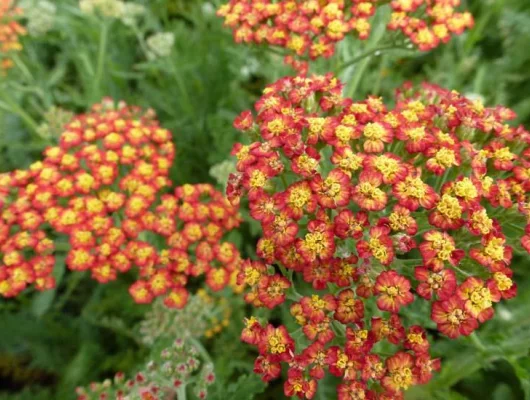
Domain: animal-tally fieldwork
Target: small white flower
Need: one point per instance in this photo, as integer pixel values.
(208, 9)
(160, 44)
(40, 15)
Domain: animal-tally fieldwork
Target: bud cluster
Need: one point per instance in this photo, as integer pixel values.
(204, 315)
(174, 368)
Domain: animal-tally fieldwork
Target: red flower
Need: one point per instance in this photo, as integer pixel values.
(502, 281)
(393, 290)
(367, 193)
(332, 192)
(318, 243)
(390, 329)
(315, 355)
(438, 248)
(494, 254)
(379, 246)
(276, 343)
(298, 385)
(252, 332)
(416, 340)
(243, 121)
(353, 390)
(315, 308)
(388, 166)
(342, 364)
(268, 369)
(478, 298)
(271, 290)
(375, 135)
(348, 309)
(401, 220)
(412, 193)
(452, 319)
(140, 292)
(359, 341)
(347, 224)
(343, 271)
(282, 230)
(297, 199)
(400, 372)
(442, 283)
(447, 214)
(177, 298)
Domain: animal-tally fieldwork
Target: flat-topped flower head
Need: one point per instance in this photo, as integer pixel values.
(347, 193)
(193, 221)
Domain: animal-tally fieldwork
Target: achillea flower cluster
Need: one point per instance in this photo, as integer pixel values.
(175, 368)
(10, 32)
(193, 222)
(99, 185)
(364, 208)
(313, 28)
(103, 189)
(26, 252)
(96, 188)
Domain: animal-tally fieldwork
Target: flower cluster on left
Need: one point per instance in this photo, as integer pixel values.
(103, 189)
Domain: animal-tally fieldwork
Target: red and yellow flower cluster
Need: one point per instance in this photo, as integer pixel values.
(26, 252)
(313, 28)
(10, 32)
(102, 187)
(366, 209)
(95, 187)
(192, 222)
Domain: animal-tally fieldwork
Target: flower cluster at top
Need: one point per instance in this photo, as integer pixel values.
(102, 188)
(175, 368)
(312, 28)
(365, 209)
(10, 32)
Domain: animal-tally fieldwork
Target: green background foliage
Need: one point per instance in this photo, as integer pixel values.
(54, 341)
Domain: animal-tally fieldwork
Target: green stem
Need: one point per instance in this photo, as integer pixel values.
(370, 53)
(284, 181)
(102, 50)
(73, 283)
(520, 228)
(441, 179)
(181, 392)
(293, 295)
(274, 51)
(461, 271)
(477, 342)
(357, 78)
(141, 40)
(23, 68)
